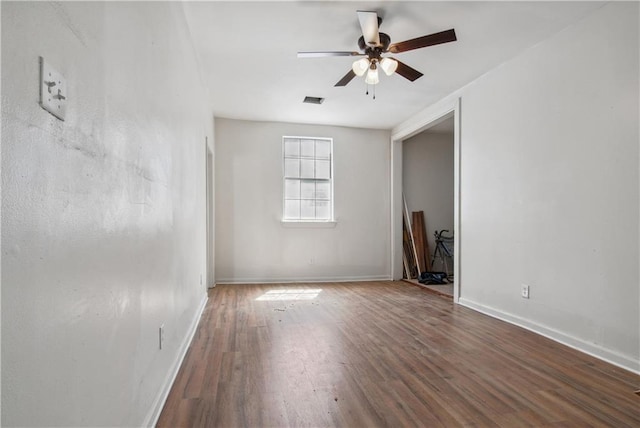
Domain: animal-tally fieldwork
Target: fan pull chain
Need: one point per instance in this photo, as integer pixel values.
(374, 91)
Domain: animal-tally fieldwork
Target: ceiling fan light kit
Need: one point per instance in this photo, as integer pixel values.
(373, 44)
(389, 66)
(360, 66)
(372, 76)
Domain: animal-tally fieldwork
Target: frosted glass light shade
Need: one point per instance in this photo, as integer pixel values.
(372, 77)
(360, 66)
(389, 66)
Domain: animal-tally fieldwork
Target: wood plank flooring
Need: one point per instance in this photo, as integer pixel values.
(379, 354)
(441, 289)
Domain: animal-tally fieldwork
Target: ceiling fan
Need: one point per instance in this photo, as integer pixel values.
(373, 44)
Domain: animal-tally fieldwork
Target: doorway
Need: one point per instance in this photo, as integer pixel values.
(210, 213)
(427, 186)
(435, 116)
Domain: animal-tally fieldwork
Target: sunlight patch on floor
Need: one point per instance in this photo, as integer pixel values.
(291, 294)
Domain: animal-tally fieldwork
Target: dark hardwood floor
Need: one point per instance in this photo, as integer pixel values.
(445, 290)
(383, 354)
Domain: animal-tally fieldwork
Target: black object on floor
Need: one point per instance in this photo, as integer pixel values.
(433, 278)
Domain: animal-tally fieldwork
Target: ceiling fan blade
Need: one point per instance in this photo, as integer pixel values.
(407, 72)
(346, 79)
(369, 25)
(327, 53)
(424, 41)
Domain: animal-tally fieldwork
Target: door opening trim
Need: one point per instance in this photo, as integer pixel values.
(430, 118)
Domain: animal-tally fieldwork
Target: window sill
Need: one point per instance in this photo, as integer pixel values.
(295, 224)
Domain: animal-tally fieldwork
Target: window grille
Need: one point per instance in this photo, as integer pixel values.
(308, 179)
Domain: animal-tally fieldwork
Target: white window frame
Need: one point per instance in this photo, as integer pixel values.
(289, 222)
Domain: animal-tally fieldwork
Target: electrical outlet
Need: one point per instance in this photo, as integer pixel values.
(161, 336)
(200, 279)
(53, 90)
(525, 291)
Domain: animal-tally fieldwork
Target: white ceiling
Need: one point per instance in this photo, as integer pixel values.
(248, 54)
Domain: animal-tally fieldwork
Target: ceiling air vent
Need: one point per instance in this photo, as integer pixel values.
(313, 100)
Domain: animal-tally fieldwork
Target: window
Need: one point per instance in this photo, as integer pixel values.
(308, 179)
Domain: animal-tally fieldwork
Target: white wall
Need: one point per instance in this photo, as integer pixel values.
(103, 215)
(252, 245)
(549, 187)
(427, 180)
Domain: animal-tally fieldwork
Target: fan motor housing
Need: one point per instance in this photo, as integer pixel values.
(385, 40)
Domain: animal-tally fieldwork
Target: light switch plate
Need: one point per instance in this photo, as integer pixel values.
(53, 90)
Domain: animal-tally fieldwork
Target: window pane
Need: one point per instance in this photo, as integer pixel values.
(292, 189)
(292, 209)
(307, 148)
(307, 210)
(292, 168)
(323, 190)
(308, 189)
(291, 148)
(306, 168)
(323, 149)
(322, 210)
(323, 169)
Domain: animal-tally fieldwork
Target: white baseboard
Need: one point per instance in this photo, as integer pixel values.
(612, 357)
(302, 280)
(152, 417)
